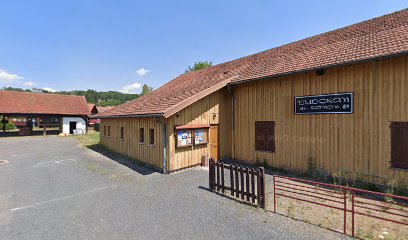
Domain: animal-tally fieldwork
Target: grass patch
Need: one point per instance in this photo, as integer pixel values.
(89, 140)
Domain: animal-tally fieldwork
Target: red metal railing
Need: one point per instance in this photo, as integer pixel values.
(336, 197)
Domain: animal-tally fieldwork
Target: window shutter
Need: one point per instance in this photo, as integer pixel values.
(260, 136)
(270, 136)
(399, 144)
(265, 136)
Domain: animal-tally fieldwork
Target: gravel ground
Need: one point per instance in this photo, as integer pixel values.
(54, 189)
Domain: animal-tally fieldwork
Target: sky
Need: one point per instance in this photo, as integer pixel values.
(120, 45)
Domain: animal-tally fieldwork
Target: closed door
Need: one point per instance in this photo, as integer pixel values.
(214, 142)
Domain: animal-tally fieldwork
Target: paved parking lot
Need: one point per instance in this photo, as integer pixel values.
(51, 188)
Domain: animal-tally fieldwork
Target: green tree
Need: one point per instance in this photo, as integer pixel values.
(16, 89)
(110, 98)
(145, 90)
(198, 65)
(91, 96)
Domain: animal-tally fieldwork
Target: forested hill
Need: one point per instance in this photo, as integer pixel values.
(110, 98)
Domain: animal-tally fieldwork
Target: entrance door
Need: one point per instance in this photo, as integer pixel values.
(72, 127)
(214, 142)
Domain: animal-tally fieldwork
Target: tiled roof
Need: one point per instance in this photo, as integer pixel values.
(103, 109)
(90, 106)
(12, 102)
(378, 37)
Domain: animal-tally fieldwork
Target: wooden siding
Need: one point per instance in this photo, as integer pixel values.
(213, 109)
(348, 143)
(130, 146)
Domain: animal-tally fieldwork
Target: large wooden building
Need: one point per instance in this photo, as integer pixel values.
(338, 100)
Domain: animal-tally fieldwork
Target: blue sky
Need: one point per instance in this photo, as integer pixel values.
(118, 45)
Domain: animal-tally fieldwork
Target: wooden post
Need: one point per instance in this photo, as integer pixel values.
(86, 124)
(218, 175)
(253, 184)
(236, 182)
(210, 175)
(262, 177)
(247, 185)
(242, 183)
(222, 178)
(4, 124)
(258, 185)
(232, 179)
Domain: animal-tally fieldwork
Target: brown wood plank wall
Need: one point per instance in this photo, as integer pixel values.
(358, 142)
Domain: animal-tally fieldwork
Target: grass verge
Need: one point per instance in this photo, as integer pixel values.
(91, 139)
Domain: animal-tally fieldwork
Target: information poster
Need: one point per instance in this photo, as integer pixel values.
(201, 136)
(184, 138)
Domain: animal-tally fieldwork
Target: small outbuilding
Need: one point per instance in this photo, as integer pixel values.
(68, 113)
(335, 102)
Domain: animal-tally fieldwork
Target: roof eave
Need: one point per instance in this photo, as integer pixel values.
(187, 102)
(382, 57)
(128, 116)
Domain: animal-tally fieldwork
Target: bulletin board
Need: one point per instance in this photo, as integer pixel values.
(191, 135)
(184, 138)
(200, 136)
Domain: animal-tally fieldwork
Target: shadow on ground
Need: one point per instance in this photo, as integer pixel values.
(135, 165)
(269, 208)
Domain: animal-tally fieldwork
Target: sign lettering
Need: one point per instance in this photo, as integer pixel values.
(339, 103)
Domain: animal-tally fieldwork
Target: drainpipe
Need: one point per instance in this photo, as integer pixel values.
(165, 148)
(233, 125)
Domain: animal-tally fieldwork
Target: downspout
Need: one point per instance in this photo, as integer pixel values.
(165, 148)
(233, 125)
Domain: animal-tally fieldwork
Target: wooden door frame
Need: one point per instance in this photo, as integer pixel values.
(218, 139)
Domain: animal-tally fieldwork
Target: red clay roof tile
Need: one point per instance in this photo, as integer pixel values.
(382, 36)
(12, 102)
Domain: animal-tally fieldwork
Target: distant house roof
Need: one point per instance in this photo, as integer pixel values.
(92, 108)
(375, 38)
(42, 103)
(103, 109)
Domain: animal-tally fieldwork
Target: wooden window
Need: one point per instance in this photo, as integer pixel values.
(265, 136)
(122, 133)
(141, 135)
(399, 144)
(151, 136)
(108, 131)
(104, 130)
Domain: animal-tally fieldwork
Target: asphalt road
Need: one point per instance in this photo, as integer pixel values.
(54, 189)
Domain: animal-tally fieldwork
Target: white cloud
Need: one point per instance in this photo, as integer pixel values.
(6, 77)
(130, 88)
(50, 89)
(28, 84)
(143, 71)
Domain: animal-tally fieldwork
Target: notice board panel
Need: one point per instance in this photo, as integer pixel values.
(200, 136)
(184, 138)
